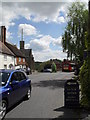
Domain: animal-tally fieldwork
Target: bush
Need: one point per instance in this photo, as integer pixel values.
(54, 67)
(85, 84)
(44, 65)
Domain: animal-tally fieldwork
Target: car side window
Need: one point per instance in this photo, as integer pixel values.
(14, 76)
(21, 76)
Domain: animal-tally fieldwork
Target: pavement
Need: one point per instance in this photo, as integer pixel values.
(47, 99)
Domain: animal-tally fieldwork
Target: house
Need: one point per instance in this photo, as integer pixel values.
(19, 58)
(7, 58)
(28, 55)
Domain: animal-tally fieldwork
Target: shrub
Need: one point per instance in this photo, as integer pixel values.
(85, 84)
(54, 67)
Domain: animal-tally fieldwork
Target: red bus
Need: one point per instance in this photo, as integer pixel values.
(68, 66)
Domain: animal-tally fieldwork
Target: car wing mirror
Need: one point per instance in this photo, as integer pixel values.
(14, 82)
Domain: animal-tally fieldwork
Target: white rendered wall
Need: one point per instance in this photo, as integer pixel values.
(6, 62)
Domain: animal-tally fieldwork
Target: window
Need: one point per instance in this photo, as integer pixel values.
(21, 76)
(5, 57)
(19, 59)
(15, 76)
(66, 65)
(18, 76)
(15, 61)
(23, 59)
(4, 78)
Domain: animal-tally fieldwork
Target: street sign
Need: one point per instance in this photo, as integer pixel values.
(71, 93)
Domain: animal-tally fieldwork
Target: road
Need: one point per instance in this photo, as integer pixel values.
(47, 99)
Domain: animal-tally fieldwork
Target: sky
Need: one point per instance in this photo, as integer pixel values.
(43, 24)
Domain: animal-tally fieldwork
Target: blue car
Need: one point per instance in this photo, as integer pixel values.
(14, 85)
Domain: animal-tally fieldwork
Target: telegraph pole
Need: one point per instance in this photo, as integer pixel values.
(22, 35)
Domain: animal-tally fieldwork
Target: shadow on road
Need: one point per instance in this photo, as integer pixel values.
(52, 84)
(71, 114)
(15, 105)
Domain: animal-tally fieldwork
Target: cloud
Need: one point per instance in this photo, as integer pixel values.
(27, 29)
(40, 44)
(57, 42)
(35, 11)
(43, 43)
(8, 35)
(41, 48)
(0, 13)
(49, 54)
(39, 36)
(43, 0)
(43, 11)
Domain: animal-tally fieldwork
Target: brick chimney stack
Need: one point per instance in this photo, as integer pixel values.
(22, 42)
(3, 34)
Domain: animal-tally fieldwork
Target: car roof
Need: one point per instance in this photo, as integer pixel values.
(8, 70)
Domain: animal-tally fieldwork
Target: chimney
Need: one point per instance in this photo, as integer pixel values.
(21, 44)
(3, 34)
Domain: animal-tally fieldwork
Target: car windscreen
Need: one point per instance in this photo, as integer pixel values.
(4, 78)
(66, 65)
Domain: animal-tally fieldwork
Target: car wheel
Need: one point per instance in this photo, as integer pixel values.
(28, 94)
(3, 109)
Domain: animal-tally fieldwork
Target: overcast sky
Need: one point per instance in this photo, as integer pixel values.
(43, 24)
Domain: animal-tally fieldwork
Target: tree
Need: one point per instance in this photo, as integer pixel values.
(53, 67)
(85, 70)
(73, 40)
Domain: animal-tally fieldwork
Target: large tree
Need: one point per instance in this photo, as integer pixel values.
(85, 70)
(73, 40)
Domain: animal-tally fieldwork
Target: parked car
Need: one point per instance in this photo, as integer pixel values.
(14, 85)
(47, 70)
(22, 69)
(28, 71)
(68, 66)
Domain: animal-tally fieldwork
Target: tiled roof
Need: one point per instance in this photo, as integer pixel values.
(5, 50)
(15, 50)
(26, 52)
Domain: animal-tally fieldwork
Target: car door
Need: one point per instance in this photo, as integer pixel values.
(14, 93)
(23, 84)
